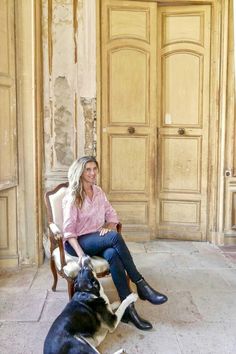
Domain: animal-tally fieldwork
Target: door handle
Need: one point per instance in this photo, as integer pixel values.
(131, 130)
(181, 131)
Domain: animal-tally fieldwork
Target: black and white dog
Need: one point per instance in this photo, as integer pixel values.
(86, 319)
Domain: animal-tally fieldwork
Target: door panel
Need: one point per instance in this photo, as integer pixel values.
(183, 71)
(133, 63)
(8, 244)
(126, 179)
(128, 21)
(8, 138)
(180, 71)
(183, 26)
(129, 113)
(181, 172)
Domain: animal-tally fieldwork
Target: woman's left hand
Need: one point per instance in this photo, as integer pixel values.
(104, 231)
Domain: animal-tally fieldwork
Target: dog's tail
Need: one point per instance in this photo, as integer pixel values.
(89, 348)
(121, 351)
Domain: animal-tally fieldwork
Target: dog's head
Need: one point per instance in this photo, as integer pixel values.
(86, 280)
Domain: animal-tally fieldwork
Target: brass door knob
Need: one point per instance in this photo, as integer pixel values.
(181, 131)
(131, 130)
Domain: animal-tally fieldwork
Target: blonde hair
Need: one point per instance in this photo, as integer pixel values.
(75, 189)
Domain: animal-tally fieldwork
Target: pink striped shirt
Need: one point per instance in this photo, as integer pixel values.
(90, 218)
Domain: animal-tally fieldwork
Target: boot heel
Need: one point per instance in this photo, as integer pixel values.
(125, 320)
(131, 316)
(142, 297)
(146, 292)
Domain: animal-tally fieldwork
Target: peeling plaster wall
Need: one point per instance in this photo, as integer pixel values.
(69, 55)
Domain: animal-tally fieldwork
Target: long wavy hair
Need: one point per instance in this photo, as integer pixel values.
(75, 189)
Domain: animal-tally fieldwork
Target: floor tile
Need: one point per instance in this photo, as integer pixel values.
(216, 306)
(23, 337)
(156, 341)
(22, 306)
(21, 278)
(206, 338)
(177, 247)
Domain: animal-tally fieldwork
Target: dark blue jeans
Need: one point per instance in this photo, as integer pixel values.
(112, 247)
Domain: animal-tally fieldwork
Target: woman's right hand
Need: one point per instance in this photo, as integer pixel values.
(104, 231)
(80, 260)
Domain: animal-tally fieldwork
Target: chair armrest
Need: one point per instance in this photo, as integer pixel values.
(54, 228)
(56, 240)
(119, 227)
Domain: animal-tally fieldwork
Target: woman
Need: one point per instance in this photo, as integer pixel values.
(89, 227)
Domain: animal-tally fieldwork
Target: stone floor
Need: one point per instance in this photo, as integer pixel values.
(200, 316)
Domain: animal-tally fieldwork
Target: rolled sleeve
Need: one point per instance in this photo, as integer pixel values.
(69, 219)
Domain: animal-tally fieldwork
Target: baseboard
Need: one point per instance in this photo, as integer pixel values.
(230, 240)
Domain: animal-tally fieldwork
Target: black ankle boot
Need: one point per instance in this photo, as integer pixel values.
(131, 315)
(145, 292)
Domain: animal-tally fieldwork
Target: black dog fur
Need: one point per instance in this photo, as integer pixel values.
(82, 316)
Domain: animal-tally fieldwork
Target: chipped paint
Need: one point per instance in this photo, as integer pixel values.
(63, 122)
(89, 107)
(75, 25)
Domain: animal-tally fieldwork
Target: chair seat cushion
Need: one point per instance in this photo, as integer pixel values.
(71, 269)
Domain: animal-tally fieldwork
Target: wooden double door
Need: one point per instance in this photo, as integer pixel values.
(155, 92)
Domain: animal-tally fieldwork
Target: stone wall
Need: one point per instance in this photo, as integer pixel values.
(69, 58)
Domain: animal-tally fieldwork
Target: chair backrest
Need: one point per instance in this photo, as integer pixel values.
(53, 200)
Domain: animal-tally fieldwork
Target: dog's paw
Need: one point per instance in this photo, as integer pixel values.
(132, 298)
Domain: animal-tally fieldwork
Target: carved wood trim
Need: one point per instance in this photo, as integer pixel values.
(233, 211)
(50, 45)
(47, 200)
(39, 129)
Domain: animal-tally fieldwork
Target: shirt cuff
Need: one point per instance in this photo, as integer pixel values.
(69, 235)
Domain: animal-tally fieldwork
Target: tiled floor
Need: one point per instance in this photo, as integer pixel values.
(199, 318)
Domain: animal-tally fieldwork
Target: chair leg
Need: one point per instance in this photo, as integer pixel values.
(70, 286)
(54, 273)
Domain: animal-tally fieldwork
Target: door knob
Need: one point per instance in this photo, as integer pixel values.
(181, 131)
(131, 130)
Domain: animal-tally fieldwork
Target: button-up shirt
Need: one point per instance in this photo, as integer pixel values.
(90, 217)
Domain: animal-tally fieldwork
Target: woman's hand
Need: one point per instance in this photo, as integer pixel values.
(104, 231)
(107, 228)
(80, 259)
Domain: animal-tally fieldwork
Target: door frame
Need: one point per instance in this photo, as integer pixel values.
(217, 118)
(29, 83)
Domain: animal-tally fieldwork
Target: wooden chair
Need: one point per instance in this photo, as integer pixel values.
(60, 261)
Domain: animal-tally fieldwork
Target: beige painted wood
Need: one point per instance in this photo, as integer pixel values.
(159, 191)
(8, 239)
(8, 138)
(8, 159)
(128, 110)
(183, 101)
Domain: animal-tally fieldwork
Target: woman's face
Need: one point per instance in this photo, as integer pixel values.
(90, 173)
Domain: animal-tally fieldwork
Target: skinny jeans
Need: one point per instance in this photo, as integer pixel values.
(112, 247)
